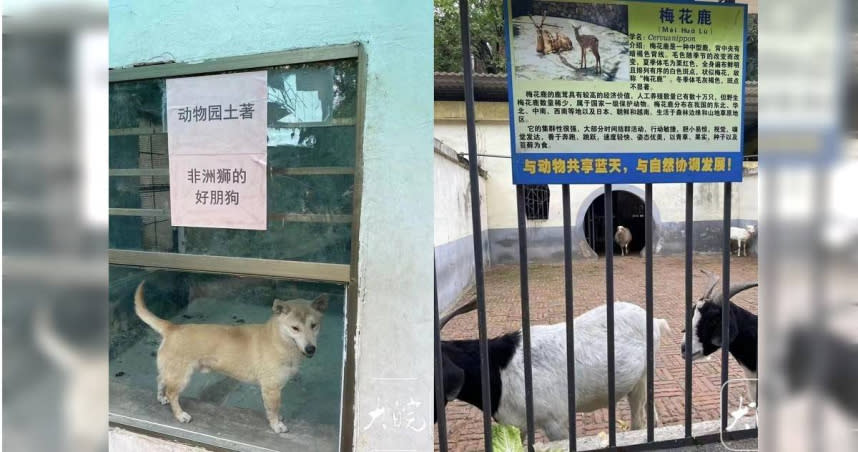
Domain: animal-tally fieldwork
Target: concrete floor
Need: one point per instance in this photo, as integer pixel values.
(228, 412)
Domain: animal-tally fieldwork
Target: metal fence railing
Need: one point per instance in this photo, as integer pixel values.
(485, 380)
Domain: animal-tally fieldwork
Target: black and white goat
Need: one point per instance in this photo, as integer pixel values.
(706, 330)
(461, 369)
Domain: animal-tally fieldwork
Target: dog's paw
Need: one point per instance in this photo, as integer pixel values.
(163, 399)
(279, 427)
(184, 417)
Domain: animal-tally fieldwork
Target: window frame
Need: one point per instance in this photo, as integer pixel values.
(529, 193)
(345, 274)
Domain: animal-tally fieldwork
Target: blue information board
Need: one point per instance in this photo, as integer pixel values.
(618, 91)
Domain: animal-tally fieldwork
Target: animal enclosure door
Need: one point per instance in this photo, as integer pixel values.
(629, 211)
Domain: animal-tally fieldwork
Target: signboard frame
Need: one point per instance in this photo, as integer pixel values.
(627, 160)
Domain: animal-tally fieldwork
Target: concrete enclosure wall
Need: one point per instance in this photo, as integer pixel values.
(454, 239)
(545, 237)
(396, 209)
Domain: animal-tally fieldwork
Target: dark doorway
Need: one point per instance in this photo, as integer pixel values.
(629, 211)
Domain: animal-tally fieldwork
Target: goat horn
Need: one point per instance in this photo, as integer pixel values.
(467, 307)
(734, 290)
(714, 280)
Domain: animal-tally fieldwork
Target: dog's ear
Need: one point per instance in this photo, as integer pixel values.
(281, 307)
(320, 303)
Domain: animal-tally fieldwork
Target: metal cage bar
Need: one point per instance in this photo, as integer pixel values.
(651, 443)
(470, 115)
(609, 301)
(525, 318)
(650, 358)
(570, 315)
(689, 308)
(725, 308)
(440, 395)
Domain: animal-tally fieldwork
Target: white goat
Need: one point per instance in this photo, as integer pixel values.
(623, 237)
(741, 236)
(548, 352)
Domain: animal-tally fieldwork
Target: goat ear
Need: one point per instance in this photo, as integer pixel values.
(732, 330)
(454, 379)
(716, 339)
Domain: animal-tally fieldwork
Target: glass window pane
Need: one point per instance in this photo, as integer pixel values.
(306, 242)
(137, 104)
(310, 170)
(311, 147)
(298, 241)
(222, 406)
(314, 92)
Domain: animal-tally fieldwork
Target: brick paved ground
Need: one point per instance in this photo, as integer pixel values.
(464, 422)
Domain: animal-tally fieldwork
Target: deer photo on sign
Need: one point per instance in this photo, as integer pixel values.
(546, 43)
(572, 42)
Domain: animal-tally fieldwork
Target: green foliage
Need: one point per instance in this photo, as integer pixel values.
(487, 43)
(506, 438)
(753, 65)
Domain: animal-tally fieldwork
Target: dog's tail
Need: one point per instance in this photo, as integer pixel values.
(158, 324)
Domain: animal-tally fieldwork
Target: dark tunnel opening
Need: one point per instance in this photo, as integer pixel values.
(629, 211)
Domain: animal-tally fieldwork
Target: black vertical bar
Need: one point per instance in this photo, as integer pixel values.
(439, 381)
(609, 300)
(570, 315)
(477, 228)
(650, 367)
(725, 308)
(689, 309)
(525, 317)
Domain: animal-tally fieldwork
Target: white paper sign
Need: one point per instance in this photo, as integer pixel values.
(217, 140)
